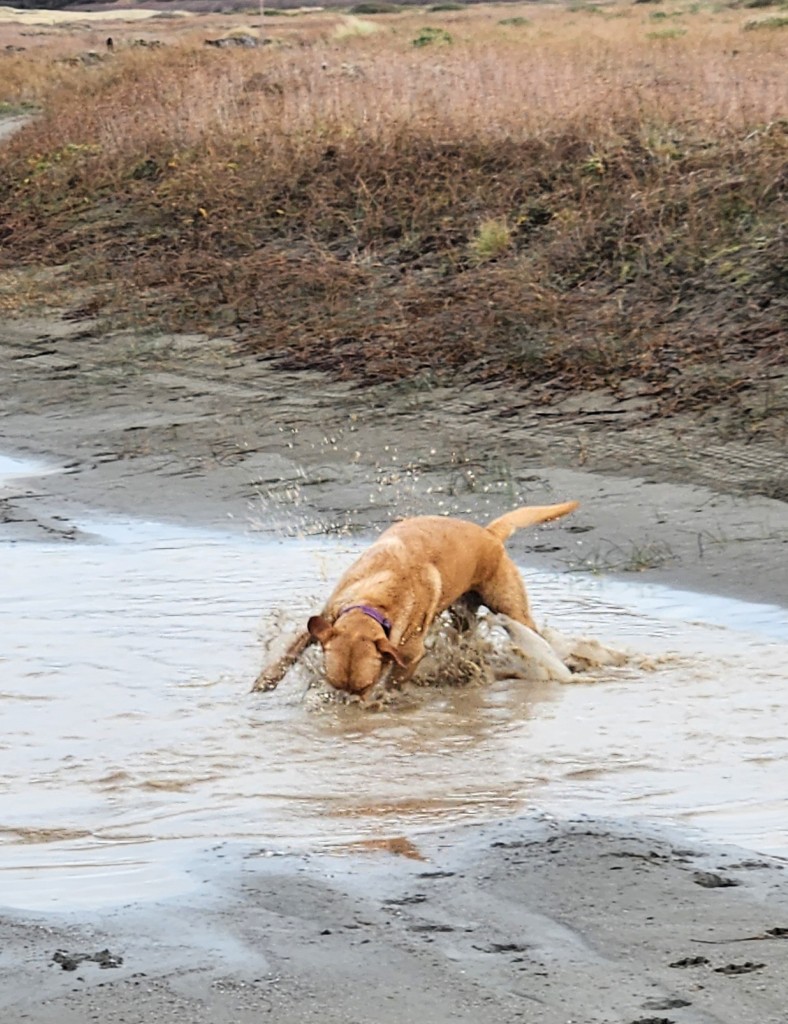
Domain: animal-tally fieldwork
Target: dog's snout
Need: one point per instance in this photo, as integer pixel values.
(352, 664)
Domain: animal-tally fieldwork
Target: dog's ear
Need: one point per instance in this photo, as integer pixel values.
(320, 628)
(387, 648)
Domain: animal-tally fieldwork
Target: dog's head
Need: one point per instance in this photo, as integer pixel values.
(356, 652)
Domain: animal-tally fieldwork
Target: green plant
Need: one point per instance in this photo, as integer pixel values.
(14, 109)
(778, 21)
(492, 239)
(516, 22)
(375, 7)
(594, 166)
(615, 558)
(429, 36)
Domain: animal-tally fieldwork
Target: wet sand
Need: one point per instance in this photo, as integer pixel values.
(185, 429)
(524, 920)
(529, 918)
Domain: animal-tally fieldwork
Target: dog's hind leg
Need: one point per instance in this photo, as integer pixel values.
(504, 592)
(273, 674)
(505, 595)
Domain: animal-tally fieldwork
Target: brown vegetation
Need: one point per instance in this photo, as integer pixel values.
(583, 197)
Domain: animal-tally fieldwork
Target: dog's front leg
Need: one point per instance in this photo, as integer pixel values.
(403, 670)
(273, 674)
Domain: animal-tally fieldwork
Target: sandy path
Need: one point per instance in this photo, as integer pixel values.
(17, 16)
(10, 125)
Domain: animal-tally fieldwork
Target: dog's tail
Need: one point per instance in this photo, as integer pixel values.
(505, 526)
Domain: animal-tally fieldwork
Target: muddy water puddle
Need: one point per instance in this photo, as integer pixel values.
(130, 741)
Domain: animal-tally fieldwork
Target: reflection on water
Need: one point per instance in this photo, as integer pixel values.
(13, 468)
(129, 737)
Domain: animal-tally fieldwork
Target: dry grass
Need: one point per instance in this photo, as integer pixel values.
(326, 194)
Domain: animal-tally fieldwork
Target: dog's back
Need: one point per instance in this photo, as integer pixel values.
(440, 556)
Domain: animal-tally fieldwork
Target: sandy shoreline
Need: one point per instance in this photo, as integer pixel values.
(526, 919)
(183, 429)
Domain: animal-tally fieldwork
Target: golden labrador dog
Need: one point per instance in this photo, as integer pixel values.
(383, 606)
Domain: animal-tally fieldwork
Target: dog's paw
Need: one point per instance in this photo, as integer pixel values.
(265, 683)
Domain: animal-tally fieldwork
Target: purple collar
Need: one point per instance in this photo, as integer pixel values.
(373, 613)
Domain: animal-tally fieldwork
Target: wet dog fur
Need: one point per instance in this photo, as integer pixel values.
(374, 623)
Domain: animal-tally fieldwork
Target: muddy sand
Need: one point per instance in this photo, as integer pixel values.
(529, 916)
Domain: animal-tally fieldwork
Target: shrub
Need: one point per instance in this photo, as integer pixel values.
(778, 21)
(429, 36)
(375, 7)
(492, 240)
